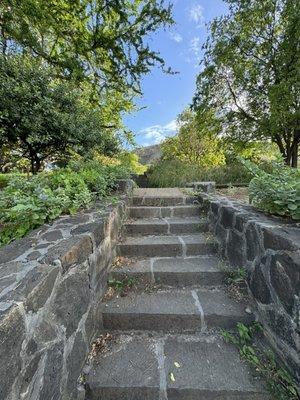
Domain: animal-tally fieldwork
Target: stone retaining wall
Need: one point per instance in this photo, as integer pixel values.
(51, 285)
(269, 248)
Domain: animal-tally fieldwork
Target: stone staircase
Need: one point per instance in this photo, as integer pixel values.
(166, 343)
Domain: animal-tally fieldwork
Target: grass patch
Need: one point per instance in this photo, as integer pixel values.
(175, 173)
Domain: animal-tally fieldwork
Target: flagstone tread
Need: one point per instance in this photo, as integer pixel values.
(164, 211)
(172, 271)
(206, 368)
(166, 245)
(156, 226)
(174, 310)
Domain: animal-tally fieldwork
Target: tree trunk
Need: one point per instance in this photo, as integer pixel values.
(295, 149)
(294, 163)
(32, 165)
(35, 163)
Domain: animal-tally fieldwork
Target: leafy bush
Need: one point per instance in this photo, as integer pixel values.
(176, 173)
(5, 178)
(26, 204)
(276, 192)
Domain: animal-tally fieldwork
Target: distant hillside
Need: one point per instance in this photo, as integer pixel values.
(149, 154)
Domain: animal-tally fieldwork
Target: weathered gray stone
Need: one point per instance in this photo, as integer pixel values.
(29, 373)
(44, 332)
(253, 242)
(176, 272)
(52, 373)
(209, 369)
(93, 322)
(70, 251)
(14, 250)
(258, 285)
(150, 246)
(236, 252)
(98, 262)
(9, 268)
(277, 239)
(206, 187)
(215, 207)
(7, 282)
(164, 212)
(173, 311)
(31, 347)
(282, 269)
(197, 245)
(75, 219)
(42, 291)
(94, 228)
(12, 333)
(34, 255)
(52, 236)
(283, 326)
(124, 185)
(74, 364)
(72, 299)
(42, 246)
(142, 365)
(227, 217)
(162, 311)
(221, 235)
(240, 221)
(134, 375)
(33, 287)
(166, 246)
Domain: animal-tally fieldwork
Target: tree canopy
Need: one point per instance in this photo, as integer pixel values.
(104, 41)
(251, 70)
(70, 69)
(196, 142)
(43, 117)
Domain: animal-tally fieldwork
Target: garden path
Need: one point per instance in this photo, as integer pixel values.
(166, 342)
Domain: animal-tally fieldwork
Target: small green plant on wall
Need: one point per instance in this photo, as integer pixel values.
(280, 383)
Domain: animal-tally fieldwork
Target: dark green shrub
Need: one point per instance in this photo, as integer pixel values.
(26, 203)
(276, 192)
(5, 178)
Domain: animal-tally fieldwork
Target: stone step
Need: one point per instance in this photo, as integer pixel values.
(163, 197)
(174, 311)
(164, 212)
(176, 272)
(166, 246)
(159, 226)
(140, 367)
(163, 201)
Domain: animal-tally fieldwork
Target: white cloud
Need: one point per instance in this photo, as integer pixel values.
(157, 133)
(195, 46)
(176, 37)
(196, 15)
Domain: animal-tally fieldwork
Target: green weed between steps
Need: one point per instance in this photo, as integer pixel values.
(122, 286)
(234, 276)
(279, 382)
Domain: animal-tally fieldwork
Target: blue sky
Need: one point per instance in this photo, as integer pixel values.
(165, 96)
